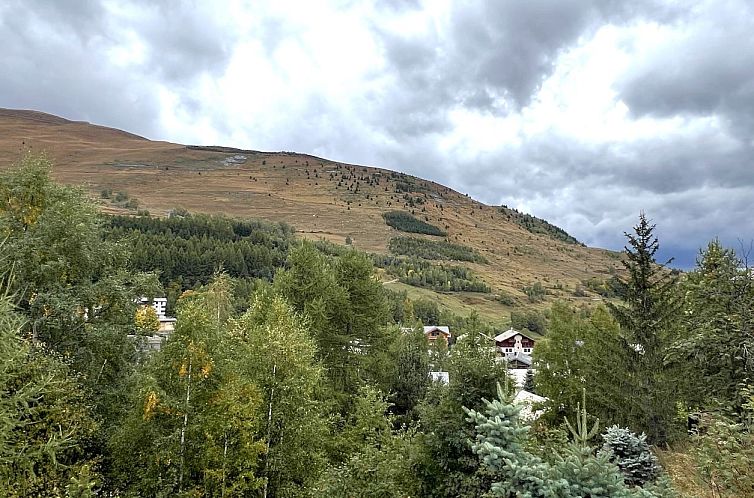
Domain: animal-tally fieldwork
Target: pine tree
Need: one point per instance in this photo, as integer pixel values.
(647, 318)
(529, 382)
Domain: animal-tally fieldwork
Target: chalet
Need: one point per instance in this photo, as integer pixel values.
(512, 343)
(516, 348)
(435, 333)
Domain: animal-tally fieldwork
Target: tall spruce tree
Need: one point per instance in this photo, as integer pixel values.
(647, 317)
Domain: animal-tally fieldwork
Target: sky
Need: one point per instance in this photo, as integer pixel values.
(581, 112)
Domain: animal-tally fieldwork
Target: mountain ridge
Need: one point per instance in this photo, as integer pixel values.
(321, 198)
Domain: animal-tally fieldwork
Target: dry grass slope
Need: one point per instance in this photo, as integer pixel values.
(321, 198)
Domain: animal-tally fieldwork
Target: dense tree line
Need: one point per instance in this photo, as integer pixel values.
(439, 277)
(405, 222)
(433, 249)
(537, 225)
(190, 248)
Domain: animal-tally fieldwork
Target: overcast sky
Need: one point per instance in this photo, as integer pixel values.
(580, 112)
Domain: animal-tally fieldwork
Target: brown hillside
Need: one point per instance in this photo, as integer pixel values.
(310, 193)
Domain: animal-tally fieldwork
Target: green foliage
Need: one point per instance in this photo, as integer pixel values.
(378, 460)
(537, 225)
(404, 222)
(535, 292)
(448, 467)
(715, 347)
(71, 285)
(724, 451)
(580, 428)
(648, 318)
(411, 377)
(347, 311)
(584, 349)
(45, 421)
(196, 422)
(279, 355)
(607, 288)
(631, 454)
(529, 385)
(433, 249)
(576, 472)
(441, 278)
(189, 249)
(531, 320)
(427, 311)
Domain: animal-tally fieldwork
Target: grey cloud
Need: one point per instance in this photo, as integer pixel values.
(707, 70)
(183, 42)
(56, 57)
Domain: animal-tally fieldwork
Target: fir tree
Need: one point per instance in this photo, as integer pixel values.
(529, 382)
(647, 317)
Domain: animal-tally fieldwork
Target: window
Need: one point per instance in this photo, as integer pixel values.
(527, 350)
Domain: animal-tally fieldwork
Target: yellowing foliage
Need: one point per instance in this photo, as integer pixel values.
(150, 404)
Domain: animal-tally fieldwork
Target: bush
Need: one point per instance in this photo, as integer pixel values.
(106, 193)
(535, 292)
(405, 222)
(506, 299)
(632, 455)
(121, 196)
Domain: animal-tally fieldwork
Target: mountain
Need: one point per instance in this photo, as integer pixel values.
(322, 199)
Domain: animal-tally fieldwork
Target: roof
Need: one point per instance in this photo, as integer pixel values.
(520, 357)
(441, 328)
(526, 396)
(512, 332)
(527, 401)
(443, 377)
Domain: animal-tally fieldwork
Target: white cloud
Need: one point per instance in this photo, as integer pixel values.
(581, 112)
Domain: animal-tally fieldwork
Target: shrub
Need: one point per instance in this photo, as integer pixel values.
(631, 454)
(530, 320)
(535, 292)
(506, 299)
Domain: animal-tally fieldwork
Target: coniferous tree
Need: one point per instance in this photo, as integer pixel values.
(647, 316)
(716, 346)
(529, 382)
(631, 453)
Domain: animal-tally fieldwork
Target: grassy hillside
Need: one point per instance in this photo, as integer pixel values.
(322, 199)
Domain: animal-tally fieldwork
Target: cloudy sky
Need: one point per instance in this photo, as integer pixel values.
(582, 112)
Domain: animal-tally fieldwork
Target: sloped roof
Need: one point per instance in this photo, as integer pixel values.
(520, 357)
(512, 332)
(442, 328)
(526, 396)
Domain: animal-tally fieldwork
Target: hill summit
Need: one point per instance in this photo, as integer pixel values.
(520, 259)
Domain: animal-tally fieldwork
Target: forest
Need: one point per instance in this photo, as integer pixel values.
(293, 372)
